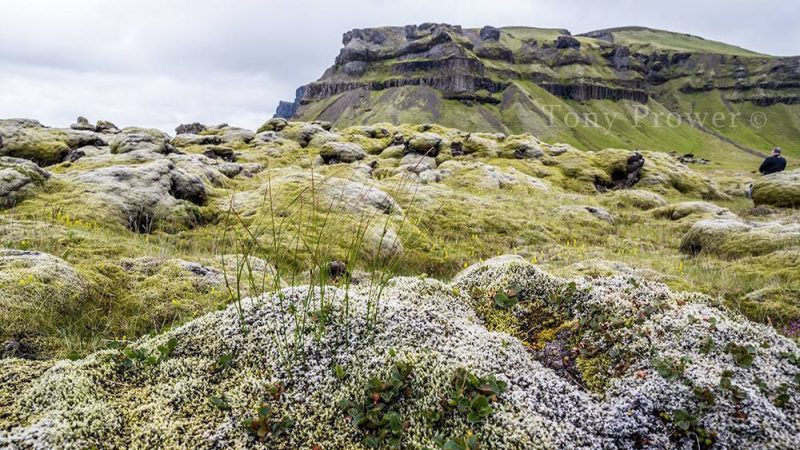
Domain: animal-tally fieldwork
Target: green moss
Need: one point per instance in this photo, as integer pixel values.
(497, 319)
(42, 152)
(778, 305)
(594, 372)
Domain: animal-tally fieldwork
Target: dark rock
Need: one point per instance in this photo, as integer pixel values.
(560, 356)
(285, 110)
(564, 41)
(190, 128)
(689, 158)
(457, 148)
(223, 153)
(621, 179)
(634, 167)
(274, 124)
(490, 33)
(103, 126)
(188, 187)
(324, 124)
(355, 68)
(371, 35)
(75, 155)
(621, 58)
(15, 348)
(337, 269)
(83, 124)
(585, 91)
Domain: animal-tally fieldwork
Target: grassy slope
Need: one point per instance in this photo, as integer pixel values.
(647, 40)
(618, 124)
(781, 125)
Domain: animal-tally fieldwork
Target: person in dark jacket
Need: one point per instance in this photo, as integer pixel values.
(774, 163)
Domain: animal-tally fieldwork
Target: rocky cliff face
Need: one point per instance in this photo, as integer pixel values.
(446, 67)
(459, 61)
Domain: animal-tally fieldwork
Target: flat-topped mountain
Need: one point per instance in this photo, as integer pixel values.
(629, 87)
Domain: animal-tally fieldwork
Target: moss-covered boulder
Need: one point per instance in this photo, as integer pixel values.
(28, 139)
(694, 211)
(231, 135)
(635, 198)
(477, 175)
(274, 124)
(677, 361)
(38, 292)
(522, 146)
(732, 237)
(341, 152)
(611, 169)
(135, 138)
(780, 189)
(18, 178)
(425, 144)
(213, 171)
(304, 133)
(482, 145)
(141, 198)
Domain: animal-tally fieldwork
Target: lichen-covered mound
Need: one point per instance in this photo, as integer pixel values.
(422, 371)
(779, 189)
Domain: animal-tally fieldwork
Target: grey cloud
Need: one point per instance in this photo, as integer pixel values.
(158, 63)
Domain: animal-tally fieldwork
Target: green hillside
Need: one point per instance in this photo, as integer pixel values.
(648, 40)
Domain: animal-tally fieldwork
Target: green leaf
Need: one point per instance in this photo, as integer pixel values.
(502, 300)
(452, 445)
(372, 442)
(743, 355)
(224, 361)
(338, 372)
(219, 403)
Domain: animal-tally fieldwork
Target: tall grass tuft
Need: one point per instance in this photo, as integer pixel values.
(296, 239)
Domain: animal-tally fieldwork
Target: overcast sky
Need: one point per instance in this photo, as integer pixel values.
(164, 62)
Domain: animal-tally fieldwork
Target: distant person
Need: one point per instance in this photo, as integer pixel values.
(773, 164)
